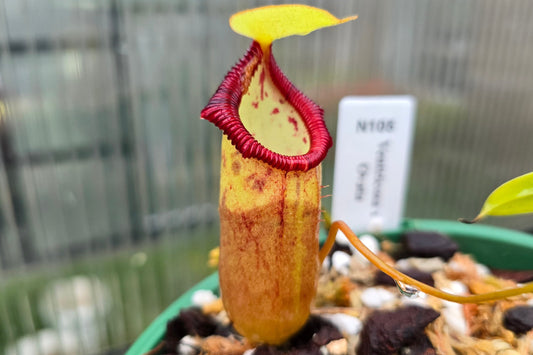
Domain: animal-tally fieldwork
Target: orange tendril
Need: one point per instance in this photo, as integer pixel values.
(399, 276)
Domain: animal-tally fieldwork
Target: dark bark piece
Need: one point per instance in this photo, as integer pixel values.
(316, 332)
(190, 321)
(428, 245)
(226, 330)
(340, 247)
(327, 333)
(267, 350)
(175, 331)
(519, 319)
(421, 346)
(309, 349)
(520, 276)
(386, 332)
(381, 278)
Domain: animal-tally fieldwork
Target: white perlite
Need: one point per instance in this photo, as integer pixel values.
(188, 345)
(455, 319)
(376, 297)
(371, 243)
(348, 325)
(368, 240)
(453, 312)
(326, 264)
(341, 262)
(423, 264)
(203, 297)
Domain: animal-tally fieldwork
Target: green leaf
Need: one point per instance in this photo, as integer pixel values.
(513, 197)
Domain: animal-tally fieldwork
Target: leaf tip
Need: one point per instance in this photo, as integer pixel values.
(348, 19)
(470, 221)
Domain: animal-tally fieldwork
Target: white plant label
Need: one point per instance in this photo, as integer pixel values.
(373, 148)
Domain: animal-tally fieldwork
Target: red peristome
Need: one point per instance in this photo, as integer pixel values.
(223, 111)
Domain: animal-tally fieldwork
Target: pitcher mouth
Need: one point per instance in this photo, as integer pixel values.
(223, 111)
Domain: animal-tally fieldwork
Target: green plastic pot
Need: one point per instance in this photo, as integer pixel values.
(498, 248)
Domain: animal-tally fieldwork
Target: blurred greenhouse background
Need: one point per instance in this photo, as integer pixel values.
(109, 181)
